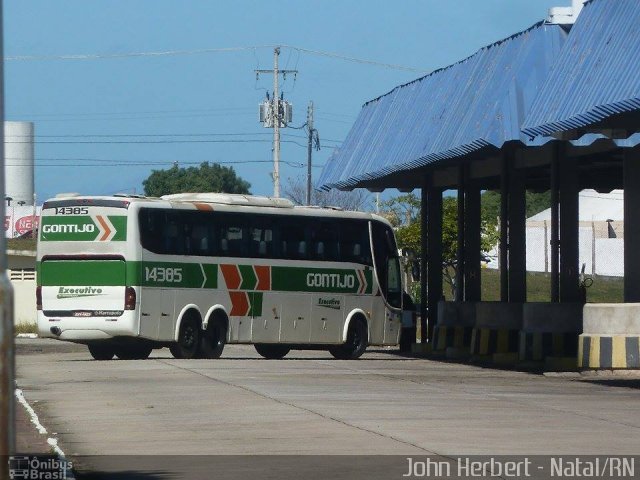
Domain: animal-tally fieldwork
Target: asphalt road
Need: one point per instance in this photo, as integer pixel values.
(310, 404)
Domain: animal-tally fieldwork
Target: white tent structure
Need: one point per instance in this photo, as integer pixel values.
(601, 236)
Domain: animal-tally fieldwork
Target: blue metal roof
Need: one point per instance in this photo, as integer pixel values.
(597, 73)
(478, 102)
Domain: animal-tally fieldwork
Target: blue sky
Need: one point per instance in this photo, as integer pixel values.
(102, 125)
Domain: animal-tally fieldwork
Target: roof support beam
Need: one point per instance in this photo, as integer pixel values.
(517, 235)
(472, 245)
(554, 241)
(434, 254)
(569, 228)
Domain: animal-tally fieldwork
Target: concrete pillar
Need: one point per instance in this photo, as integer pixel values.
(504, 226)
(517, 236)
(569, 229)
(472, 246)
(554, 241)
(434, 255)
(460, 257)
(631, 171)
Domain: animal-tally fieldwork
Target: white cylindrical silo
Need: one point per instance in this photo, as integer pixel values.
(18, 160)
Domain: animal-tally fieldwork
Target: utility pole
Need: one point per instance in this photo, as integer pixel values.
(276, 126)
(312, 132)
(278, 115)
(7, 345)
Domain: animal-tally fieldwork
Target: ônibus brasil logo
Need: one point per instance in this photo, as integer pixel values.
(94, 228)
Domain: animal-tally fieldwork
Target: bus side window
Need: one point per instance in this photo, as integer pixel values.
(293, 238)
(354, 242)
(199, 242)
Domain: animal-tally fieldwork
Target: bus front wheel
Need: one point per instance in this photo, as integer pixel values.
(272, 352)
(188, 344)
(101, 351)
(356, 342)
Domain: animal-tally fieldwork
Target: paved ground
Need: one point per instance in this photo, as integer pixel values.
(308, 403)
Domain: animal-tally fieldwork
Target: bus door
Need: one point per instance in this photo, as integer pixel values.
(388, 272)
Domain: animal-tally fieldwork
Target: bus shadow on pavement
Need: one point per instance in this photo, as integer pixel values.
(633, 383)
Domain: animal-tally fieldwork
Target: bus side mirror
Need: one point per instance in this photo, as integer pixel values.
(415, 270)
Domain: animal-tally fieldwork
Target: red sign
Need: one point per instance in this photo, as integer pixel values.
(26, 224)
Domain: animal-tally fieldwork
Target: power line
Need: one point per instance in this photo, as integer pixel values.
(147, 142)
(154, 135)
(172, 53)
(123, 163)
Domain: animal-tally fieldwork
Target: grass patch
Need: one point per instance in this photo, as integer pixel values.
(26, 328)
(21, 244)
(603, 290)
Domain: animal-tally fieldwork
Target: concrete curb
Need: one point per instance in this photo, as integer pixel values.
(609, 352)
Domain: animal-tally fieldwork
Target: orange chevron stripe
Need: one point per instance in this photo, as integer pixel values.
(231, 276)
(105, 225)
(264, 277)
(203, 206)
(239, 304)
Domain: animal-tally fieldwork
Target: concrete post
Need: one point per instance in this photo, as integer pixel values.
(569, 228)
(517, 236)
(631, 171)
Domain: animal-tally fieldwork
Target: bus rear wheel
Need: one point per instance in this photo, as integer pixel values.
(356, 342)
(188, 344)
(214, 339)
(100, 351)
(272, 352)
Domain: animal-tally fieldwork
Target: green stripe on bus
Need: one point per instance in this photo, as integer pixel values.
(255, 304)
(83, 228)
(105, 273)
(197, 275)
(331, 280)
(249, 278)
(172, 274)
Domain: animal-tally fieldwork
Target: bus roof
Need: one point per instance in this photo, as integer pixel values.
(225, 200)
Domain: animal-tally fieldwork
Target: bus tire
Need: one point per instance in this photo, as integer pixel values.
(356, 342)
(101, 351)
(188, 344)
(214, 339)
(271, 351)
(133, 352)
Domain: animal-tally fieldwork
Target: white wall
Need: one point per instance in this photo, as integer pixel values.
(22, 274)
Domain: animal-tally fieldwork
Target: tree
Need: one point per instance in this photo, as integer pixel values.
(205, 178)
(296, 191)
(535, 202)
(404, 214)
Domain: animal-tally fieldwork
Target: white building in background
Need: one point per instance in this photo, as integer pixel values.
(601, 236)
(21, 215)
(19, 164)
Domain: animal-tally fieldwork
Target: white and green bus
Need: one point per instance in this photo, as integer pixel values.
(192, 272)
